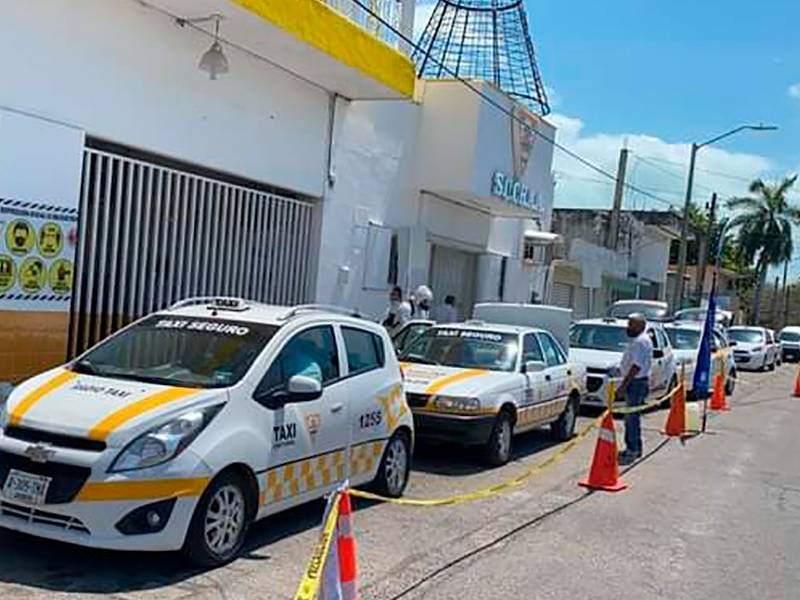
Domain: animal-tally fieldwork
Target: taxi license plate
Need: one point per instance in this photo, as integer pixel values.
(25, 487)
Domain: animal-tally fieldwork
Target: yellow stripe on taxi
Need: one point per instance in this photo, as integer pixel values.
(443, 382)
(142, 490)
(28, 401)
(116, 419)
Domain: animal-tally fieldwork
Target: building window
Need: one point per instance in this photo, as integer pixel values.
(529, 250)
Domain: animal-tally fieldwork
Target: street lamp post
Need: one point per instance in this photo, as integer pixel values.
(678, 290)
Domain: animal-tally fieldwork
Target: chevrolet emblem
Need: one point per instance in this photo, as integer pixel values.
(40, 453)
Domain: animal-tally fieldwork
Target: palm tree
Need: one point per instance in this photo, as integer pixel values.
(765, 229)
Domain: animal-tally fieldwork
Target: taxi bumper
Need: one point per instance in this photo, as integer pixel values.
(462, 429)
(87, 506)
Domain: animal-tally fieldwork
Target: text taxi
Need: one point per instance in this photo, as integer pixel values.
(180, 430)
(477, 383)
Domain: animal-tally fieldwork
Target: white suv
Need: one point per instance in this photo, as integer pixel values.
(600, 343)
(181, 429)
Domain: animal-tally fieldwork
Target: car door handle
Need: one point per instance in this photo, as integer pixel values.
(337, 407)
(547, 378)
(569, 372)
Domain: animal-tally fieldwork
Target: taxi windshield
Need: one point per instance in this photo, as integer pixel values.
(179, 351)
(789, 336)
(464, 348)
(683, 339)
(598, 337)
(748, 336)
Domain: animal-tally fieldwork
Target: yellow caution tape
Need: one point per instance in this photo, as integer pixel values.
(630, 410)
(493, 490)
(312, 578)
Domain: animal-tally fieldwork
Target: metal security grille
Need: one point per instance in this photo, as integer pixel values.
(151, 235)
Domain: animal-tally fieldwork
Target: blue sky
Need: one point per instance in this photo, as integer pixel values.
(659, 74)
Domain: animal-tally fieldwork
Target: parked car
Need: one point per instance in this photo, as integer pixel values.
(753, 348)
(479, 383)
(654, 310)
(685, 337)
(186, 426)
(789, 339)
(600, 343)
(772, 340)
(723, 318)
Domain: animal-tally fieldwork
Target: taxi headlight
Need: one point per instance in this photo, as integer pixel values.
(456, 404)
(164, 442)
(756, 349)
(614, 372)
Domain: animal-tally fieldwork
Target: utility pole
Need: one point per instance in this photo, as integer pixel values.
(702, 249)
(619, 192)
(784, 296)
(773, 316)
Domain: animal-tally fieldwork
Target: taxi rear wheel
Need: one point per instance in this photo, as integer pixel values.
(220, 522)
(564, 428)
(498, 449)
(395, 465)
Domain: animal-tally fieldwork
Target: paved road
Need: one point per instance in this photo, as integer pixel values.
(717, 517)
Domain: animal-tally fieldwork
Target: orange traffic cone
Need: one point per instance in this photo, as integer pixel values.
(676, 421)
(718, 400)
(604, 472)
(346, 546)
(797, 384)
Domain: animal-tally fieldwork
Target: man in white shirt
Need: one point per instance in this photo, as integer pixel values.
(399, 311)
(636, 365)
(446, 313)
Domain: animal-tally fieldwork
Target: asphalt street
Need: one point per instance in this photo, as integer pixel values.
(716, 517)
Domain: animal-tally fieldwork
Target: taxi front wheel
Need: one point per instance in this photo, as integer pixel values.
(220, 522)
(498, 449)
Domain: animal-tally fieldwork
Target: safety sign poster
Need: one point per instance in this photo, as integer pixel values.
(37, 255)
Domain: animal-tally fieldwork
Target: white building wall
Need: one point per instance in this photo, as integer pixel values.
(125, 73)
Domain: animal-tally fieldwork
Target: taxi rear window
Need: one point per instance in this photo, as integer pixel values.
(180, 351)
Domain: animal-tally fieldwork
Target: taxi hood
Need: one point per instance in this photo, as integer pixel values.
(98, 408)
(451, 381)
(596, 359)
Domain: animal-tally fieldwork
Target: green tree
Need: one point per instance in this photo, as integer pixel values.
(764, 229)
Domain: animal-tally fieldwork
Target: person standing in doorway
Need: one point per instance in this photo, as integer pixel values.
(446, 313)
(635, 366)
(423, 299)
(399, 311)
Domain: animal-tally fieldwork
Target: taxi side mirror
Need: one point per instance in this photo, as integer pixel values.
(299, 389)
(533, 366)
(658, 353)
(304, 389)
(732, 343)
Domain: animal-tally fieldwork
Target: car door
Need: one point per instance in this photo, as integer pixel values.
(657, 366)
(374, 398)
(538, 387)
(557, 370)
(307, 438)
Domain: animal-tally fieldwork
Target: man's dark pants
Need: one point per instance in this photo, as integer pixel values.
(635, 395)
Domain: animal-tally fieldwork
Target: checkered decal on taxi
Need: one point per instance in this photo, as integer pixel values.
(306, 475)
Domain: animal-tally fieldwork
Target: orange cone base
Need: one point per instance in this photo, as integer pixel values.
(615, 487)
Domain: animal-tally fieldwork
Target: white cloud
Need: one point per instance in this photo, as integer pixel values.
(654, 165)
(794, 91)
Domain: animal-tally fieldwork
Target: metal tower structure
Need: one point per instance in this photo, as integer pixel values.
(483, 39)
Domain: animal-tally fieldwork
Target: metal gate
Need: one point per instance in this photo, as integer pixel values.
(453, 272)
(151, 235)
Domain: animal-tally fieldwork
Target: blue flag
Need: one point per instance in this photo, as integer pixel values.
(702, 372)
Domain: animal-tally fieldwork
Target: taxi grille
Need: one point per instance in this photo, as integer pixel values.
(594, 383)
(34, 436)
(40, 517)
(417, 400)
(67, 480)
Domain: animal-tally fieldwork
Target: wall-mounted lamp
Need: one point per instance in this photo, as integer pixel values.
(214, 62)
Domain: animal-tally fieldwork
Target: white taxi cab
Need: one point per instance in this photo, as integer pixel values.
(181, 429)
(600, 343)
(478, 383)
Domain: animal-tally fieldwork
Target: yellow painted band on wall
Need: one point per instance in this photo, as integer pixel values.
(107, 426)
(143, 490)
(443, 382)
(28, 401)
(320, 26)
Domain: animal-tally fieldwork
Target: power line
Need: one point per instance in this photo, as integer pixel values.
(709, 171)
(492, 102)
